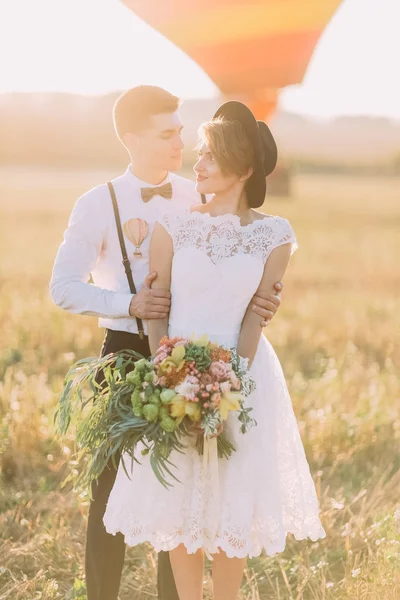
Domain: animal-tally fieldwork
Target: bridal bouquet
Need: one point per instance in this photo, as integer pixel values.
(154, 401)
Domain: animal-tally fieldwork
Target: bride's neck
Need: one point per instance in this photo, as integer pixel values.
(228, 202)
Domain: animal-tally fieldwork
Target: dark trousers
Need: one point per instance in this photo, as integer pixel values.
(104, 558)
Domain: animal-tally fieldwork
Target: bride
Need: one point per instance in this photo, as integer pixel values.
(213, 258)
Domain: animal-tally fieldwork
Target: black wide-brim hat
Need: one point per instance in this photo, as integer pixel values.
(264, 146)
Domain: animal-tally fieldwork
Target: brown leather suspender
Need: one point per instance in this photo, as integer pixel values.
(125, 259)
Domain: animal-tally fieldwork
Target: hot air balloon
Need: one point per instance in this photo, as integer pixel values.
(136, 231)
(249, 48)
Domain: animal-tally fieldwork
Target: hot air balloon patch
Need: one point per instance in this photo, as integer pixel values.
(136, 231)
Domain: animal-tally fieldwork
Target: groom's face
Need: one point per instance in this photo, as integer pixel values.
(160, 144)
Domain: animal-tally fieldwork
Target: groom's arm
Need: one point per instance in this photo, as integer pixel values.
(76, 259)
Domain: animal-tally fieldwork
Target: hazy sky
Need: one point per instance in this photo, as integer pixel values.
(97, 46)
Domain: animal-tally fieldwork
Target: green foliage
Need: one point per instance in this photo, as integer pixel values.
(201, 355)
(78, 591)
(112, 419)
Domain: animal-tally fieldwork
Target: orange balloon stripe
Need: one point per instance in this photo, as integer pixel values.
(157, 12)
(229, 24)
(278, 59)
(216, 19)
(255, 80)
(244, 46)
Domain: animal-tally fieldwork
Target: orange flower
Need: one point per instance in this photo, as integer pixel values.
(175, 378)
(220, 354)
(170, 342)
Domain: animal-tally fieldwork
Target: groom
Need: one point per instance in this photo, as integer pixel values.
(107, 222)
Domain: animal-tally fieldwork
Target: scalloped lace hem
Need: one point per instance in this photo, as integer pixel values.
(240, 549)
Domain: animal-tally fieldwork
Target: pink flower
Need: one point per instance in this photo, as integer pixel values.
(162, 348)
(219, 370)
(206, 379)
(181, 342)
(235, 381)
(160, 356)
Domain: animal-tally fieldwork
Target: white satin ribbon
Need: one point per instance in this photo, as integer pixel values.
(210, 463)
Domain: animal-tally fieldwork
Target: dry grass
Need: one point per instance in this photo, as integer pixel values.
(337, 335)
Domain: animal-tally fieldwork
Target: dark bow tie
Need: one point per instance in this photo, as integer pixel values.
(162, 190)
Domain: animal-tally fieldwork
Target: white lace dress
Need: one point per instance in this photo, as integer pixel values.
(265, 489)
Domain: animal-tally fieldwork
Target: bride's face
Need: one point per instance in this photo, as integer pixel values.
(210, 179)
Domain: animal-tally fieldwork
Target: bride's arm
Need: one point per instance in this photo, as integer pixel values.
(161, 253)
(250, 331)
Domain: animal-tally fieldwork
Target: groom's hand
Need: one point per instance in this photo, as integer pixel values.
(266, 305)
(148, 303)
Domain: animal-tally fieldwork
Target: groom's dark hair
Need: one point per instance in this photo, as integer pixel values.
(135, 107)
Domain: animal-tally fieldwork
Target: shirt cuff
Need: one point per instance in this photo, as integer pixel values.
(120, 304)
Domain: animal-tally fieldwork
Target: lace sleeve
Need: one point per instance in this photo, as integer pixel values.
(285, 235)
(171, 221)
(167, 221)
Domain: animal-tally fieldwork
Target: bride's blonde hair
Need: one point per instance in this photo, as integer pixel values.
(229, 144)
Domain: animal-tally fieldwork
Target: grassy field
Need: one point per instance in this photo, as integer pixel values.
(337, 335)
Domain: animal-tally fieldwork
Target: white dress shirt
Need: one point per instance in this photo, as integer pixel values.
(91, 247)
